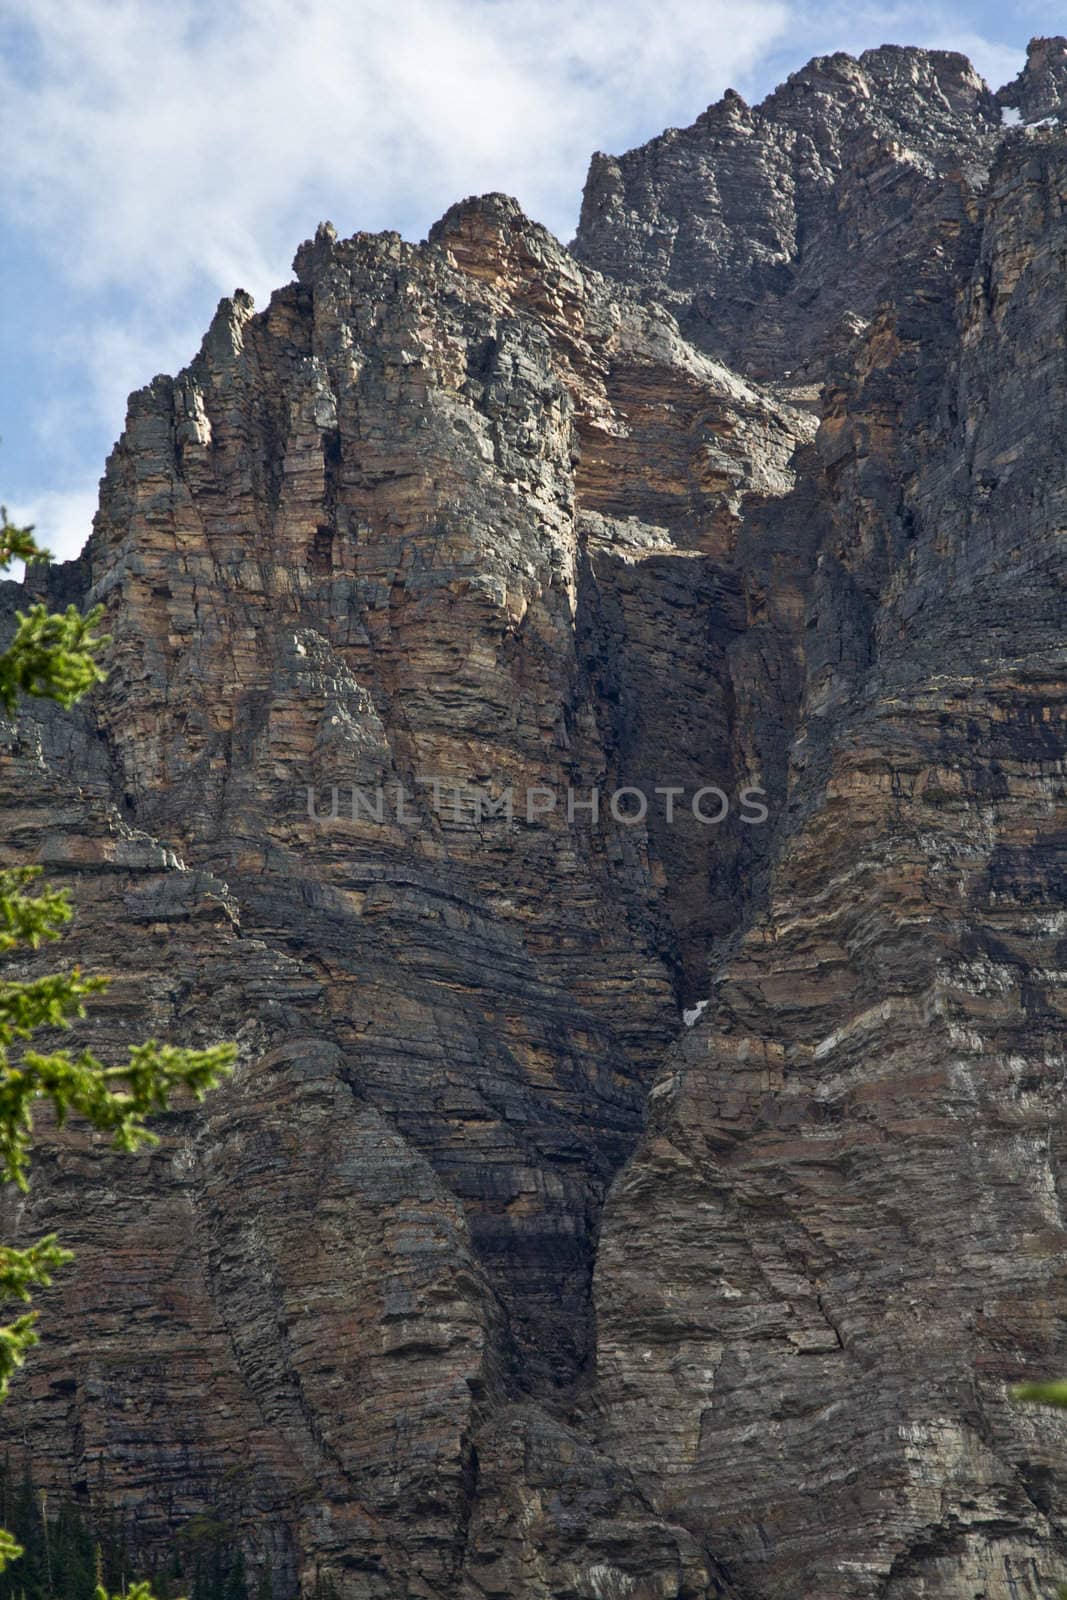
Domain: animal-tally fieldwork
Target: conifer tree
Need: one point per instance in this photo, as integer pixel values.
(55, 656)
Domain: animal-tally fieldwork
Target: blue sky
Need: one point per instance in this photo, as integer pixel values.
(159, 153)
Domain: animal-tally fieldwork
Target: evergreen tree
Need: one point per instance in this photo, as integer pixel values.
(54, 655)
(69, 1555)
(236, 1582)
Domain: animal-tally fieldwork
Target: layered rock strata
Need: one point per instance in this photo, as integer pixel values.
(486, 1276)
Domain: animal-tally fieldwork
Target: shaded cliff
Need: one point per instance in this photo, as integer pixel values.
(486, 1276)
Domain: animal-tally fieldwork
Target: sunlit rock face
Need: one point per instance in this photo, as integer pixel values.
(505, 1265)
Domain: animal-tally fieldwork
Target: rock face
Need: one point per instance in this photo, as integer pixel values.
(1040, 90)
(774, 232)
(486, 1275)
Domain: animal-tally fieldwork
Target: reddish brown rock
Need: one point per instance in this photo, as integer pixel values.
(486, 1276)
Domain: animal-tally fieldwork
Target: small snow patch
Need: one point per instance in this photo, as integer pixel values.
(691, 1016)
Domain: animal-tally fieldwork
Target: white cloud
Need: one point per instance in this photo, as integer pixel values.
(168, 143)
(62, 519)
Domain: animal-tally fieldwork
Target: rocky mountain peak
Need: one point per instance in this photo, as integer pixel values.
(759, 227)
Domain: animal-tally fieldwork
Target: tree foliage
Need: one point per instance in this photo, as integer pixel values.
(54, 656)
(54, 653)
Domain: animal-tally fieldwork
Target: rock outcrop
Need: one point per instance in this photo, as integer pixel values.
(486, 1275)
(1040, 90)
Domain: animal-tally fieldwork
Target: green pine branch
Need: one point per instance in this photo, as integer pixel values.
(54, 656)
(29, 919)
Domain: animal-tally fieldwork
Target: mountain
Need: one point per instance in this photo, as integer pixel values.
(620, 1206)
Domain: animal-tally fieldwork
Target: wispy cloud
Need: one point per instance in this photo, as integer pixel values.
(62, 520)
(162, 144)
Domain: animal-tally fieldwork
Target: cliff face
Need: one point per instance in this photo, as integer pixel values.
(774, 232)
(487, 1276)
